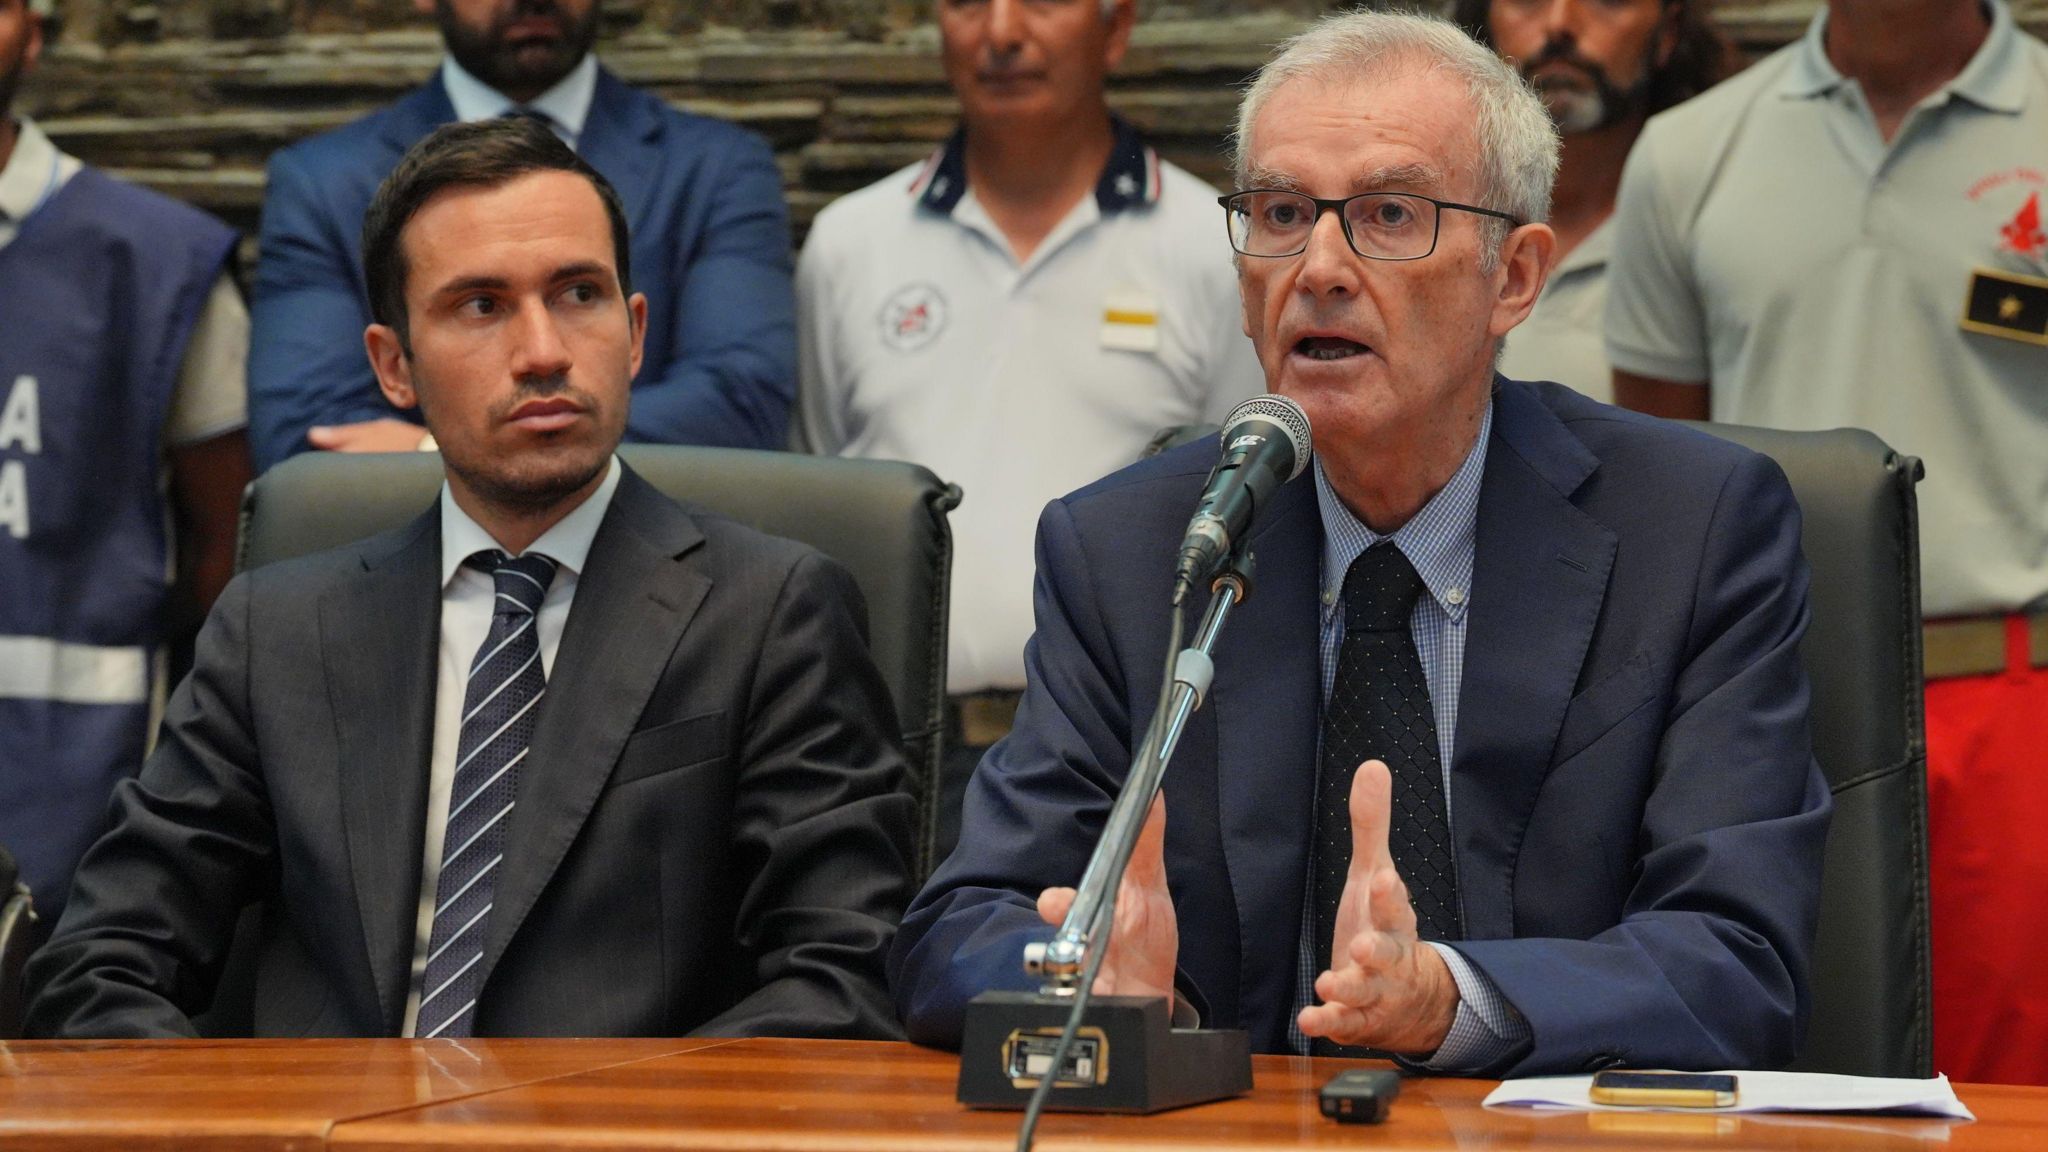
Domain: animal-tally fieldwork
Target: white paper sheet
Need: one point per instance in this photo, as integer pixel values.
(1758, 1092)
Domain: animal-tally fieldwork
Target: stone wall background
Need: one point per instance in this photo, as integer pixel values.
(191, 96)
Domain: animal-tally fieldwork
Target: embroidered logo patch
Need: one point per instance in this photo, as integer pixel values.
(913, 317)
(2022, 235)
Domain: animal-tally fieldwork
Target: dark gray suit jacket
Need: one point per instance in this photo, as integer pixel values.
(711, 835)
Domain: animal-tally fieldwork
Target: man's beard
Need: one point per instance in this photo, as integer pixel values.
(1578, 110)
(538, 480)
(525, 69)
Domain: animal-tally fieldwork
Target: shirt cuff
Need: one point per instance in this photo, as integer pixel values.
(1487, 1028)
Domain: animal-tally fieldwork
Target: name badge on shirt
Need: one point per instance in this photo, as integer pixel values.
(1130, 321)
(2007, 305)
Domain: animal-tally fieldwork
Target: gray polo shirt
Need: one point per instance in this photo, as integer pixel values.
(1561, 339)
(1767, 239)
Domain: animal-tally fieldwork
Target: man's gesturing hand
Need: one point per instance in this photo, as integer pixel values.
(1144, 941)
(1385, 988)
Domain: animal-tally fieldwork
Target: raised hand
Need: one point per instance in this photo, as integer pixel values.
(1144, 937)
(1385, 989)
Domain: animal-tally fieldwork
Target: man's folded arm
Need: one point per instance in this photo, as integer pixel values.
(153, 907)
(1708, 967)
(307, 366)
(822, 822)
(732, 376)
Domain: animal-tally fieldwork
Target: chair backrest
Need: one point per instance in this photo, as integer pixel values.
(885, 521)
(17, 937)
(1872, 976)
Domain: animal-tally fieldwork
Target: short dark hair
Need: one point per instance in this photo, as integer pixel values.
(485, 154)
(1700, 59)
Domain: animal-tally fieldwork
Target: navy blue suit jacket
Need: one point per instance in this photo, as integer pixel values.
(710, 249)
(1637, 814)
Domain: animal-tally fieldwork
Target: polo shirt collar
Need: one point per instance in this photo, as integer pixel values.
(1440, 540)
(567, 543)
(1592, 253)
(1129, 180)
(1994, 78)
(566, 105)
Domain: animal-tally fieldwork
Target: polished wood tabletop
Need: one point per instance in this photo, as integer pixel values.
(394, 1095)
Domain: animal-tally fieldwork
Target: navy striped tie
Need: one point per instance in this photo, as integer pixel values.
(499, 708)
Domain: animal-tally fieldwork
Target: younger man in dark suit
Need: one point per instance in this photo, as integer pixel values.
(560, 757)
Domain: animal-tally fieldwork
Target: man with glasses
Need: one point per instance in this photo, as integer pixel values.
(1020, 313)
(1505, 769)
(710, 242)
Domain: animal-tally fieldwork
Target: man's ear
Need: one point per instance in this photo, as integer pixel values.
(1123, 16)
(388, 359)
(1526, 258)
(636, 315)
(1667, 35)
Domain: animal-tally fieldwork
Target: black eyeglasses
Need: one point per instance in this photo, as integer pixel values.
(1268, 222)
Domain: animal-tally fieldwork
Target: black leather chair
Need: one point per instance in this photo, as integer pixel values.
(886, 522)
(17, 937)
(1873, 978)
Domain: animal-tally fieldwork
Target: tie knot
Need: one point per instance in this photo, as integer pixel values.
(522, 580)
(1380, 589)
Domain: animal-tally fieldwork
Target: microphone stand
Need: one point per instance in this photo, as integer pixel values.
(1127, 1057)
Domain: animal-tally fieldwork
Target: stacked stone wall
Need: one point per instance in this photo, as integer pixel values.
(191, 96)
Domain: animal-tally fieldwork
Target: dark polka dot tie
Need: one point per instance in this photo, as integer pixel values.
(1379, 709)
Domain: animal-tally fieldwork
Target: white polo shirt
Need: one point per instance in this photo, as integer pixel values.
(1767, 239)
(923, 339)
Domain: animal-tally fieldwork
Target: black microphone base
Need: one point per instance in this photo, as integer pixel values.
(1126, 1058)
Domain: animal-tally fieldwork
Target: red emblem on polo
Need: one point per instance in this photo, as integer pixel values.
(2023, 234)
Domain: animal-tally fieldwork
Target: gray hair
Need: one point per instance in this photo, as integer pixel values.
(1518, 143)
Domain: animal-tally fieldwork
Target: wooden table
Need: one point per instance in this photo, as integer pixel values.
(391, 1095)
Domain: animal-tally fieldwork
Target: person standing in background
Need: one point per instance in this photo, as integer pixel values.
(1849, 234)
(122, 461)
(1603, 67)
(710, 233)
(1021, 313)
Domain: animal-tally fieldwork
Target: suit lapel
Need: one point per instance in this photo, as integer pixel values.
(379, 636)
(618, 139)
(633, 601)
(1267, 703)
(424, 109)
(1539, 578)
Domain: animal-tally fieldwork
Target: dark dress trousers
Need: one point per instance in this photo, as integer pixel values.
(710, 834)
(1635, 811)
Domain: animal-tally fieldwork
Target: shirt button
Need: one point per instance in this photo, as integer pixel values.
(1455, 596)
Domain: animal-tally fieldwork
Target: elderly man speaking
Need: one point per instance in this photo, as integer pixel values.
(1506, 767)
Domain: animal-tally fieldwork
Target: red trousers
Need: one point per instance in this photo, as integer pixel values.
(1987, 799)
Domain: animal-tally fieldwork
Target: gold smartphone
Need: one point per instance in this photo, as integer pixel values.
(1664, 1089)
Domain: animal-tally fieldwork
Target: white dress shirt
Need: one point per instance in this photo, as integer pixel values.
(467, 599)
(566, 105)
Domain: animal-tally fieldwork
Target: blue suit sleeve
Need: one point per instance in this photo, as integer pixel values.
(732, 378)
(1032, 812)
(1708, 965)
(306, 361)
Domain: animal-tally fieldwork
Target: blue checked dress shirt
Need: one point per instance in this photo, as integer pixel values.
(1439, 541)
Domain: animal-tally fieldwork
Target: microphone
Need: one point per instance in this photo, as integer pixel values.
(1265, 444)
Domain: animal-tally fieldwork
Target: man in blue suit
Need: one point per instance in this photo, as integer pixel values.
(710, 241)
(1506, 768)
